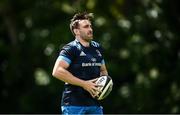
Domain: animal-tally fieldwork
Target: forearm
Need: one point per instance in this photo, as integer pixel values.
(64, 75)
(103, 70)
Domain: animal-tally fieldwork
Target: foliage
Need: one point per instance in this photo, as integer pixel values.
(140, 39)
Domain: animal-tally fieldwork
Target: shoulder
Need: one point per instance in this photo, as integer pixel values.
(95, 44)
(70, 49)
(73, 45)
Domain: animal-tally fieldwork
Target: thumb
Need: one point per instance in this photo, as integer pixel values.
(94, 80)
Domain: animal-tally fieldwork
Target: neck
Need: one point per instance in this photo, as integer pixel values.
(83, 42)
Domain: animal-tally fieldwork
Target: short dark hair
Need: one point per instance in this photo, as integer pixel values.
(77, 17)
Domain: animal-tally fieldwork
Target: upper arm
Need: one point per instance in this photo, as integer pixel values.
(58, 65)
(64, 59)
(61, 63)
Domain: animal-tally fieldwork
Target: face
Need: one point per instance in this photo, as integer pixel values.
(85, 30)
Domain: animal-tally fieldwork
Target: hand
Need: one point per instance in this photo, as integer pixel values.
(91, 87)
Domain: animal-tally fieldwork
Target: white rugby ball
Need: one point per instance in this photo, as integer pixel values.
(107, 84)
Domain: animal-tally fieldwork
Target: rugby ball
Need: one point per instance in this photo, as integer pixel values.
(107, 84)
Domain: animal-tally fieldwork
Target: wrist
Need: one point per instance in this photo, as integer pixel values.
(82, 83)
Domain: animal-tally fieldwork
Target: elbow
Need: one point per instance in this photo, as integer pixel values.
(54, 73)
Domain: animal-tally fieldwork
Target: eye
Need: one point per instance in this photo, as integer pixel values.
(88, 26)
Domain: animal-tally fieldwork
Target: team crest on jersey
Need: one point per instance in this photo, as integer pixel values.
(93, 59)
(98, 52)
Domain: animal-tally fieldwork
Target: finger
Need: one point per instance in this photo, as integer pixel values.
(97, 90)
(92, 93)
(98, 85)
(94, 80)
(97, 93)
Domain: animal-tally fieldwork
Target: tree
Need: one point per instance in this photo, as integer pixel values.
(141, 45)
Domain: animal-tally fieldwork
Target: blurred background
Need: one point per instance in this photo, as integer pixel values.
(140, 39)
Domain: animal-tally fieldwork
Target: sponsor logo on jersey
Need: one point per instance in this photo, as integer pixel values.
(95, 44)
(90, 64)
(82, 53)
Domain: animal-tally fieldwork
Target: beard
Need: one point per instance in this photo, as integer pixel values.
(87, 37)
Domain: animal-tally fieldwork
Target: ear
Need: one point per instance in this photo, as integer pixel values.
(76, 31)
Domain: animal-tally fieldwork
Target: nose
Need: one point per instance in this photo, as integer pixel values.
(90, 31)
(90, 28)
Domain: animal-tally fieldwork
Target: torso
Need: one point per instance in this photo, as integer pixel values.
(86, 62)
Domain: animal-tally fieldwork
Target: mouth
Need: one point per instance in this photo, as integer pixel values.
(90, 33)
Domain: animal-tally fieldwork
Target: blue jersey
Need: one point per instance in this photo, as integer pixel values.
(84, 63)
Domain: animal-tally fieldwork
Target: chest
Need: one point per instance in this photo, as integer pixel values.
(88, 55)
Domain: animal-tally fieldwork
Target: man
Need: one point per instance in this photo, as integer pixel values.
(79, 63)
